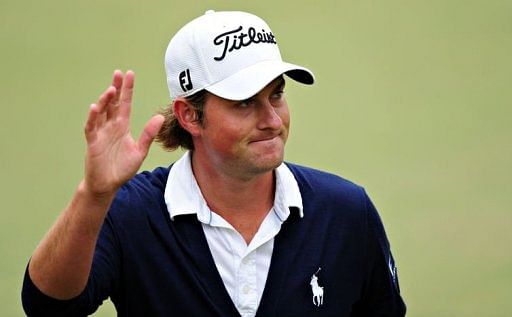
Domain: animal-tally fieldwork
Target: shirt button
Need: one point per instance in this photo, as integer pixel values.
(246, 289)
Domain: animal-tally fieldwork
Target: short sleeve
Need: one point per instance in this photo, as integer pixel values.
(381, 295)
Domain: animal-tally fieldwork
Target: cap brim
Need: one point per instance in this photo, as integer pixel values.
(249, 81)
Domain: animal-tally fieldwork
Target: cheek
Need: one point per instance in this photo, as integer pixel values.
(284, 114)
(228, 136)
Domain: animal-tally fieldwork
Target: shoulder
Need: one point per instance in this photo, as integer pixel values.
(147, 182)
(332, 198)
(316, 182)
(143, 192)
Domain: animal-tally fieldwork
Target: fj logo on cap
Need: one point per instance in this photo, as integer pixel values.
(185, 81)
(236, 39)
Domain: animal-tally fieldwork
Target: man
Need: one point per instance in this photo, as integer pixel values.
(227, 230)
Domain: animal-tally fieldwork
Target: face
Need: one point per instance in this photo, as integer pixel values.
(245, 138)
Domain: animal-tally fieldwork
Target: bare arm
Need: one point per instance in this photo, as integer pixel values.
(61, 263)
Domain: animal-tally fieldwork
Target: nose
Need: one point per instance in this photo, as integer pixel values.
(269, 117)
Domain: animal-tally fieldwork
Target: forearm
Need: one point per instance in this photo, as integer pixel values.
(61, 263)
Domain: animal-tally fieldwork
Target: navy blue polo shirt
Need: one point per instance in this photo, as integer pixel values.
(152, 266)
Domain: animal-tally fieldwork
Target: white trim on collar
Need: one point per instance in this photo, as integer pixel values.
(183, 196)
(287, 189)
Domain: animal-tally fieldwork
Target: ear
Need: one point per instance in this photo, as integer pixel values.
(187, 116)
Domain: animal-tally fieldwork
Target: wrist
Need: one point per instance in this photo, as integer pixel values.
(98, 198)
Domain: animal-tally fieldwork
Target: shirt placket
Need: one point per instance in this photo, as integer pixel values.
(247, 288)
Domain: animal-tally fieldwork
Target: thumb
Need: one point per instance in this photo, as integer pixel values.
(149, 133)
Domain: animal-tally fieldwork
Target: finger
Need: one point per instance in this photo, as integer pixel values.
(105, 98)
(103, 104)
(149, 133)
(117, 82)
(90, 124)
(117, 79)
(125, 99)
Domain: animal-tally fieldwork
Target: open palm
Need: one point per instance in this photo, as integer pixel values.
(113, 156)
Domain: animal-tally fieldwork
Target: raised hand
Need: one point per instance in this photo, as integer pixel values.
(61, 263)
(113, 156)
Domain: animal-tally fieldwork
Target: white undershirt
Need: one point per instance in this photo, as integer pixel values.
(243, 268)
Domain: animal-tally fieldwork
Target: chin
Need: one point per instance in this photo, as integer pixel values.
(269, 163)
(265, 156)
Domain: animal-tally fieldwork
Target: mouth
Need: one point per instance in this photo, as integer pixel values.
(266, 139)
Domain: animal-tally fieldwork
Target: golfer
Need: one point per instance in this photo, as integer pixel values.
(229, 229)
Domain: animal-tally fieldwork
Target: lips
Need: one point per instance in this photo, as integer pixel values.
(267, 138)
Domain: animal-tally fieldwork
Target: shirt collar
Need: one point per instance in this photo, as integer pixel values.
(183, 195)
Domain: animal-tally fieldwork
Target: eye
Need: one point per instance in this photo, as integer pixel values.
(246, 103)
(277, 95)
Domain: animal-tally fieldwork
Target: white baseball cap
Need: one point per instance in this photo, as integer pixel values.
(230, 54)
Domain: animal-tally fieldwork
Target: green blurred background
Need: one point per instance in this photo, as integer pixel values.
(412, 101)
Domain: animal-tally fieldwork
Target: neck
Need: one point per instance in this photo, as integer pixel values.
(242, 201)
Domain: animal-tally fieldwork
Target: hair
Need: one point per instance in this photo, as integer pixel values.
(171, 134)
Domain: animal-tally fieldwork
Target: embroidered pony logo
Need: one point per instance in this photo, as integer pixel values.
(318, 291)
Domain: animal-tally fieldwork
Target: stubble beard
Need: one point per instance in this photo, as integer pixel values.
(258, 165)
